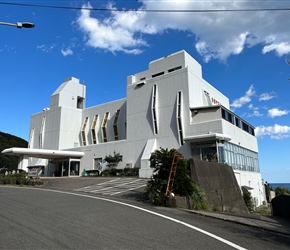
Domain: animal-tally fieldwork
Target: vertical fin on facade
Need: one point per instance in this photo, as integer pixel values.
(31, 136)
(179, 117)
(154, 109)
(104, 127)
(93, 130)
(41, 133)
(115, 125)
(83, 132)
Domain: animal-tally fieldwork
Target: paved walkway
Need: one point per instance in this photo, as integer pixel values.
(132, 188)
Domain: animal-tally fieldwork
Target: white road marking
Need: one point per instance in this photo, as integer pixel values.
(150, 212)
(114, 187)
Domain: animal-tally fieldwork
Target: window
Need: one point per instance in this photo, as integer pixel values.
(83, 132)
(173, 69)
(241, 158)
(230, 117)
(93, 129)
(245, 127)
(115, 126)
(154, 107)
(179, 118)
(158, 74)
(104, 127)
(80, 102)
(238, 122)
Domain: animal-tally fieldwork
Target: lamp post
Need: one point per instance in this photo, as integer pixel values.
(19, 24)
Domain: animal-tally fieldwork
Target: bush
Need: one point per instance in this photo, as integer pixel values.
(161, 161)
(131, 171)
(248, 199)
(198, 197)
(19, 179)
(281, 190)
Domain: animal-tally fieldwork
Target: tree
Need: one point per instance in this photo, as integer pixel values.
(113, 160)
(161, 161)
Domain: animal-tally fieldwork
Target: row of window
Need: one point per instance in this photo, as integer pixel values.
(240, 158)
(162, 73)
(103, 128)
(230, 117)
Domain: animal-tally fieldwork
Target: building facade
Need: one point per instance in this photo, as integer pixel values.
(169, 105)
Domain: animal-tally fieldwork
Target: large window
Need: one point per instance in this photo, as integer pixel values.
(230, 117)
(83, 132)
(93, 130)
(115, 125)
(241, 158)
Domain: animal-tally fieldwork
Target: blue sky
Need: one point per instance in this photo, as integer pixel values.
(242, 55)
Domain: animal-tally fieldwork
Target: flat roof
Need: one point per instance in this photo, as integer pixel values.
(42, 153)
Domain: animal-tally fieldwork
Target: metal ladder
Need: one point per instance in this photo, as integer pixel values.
(176, 158)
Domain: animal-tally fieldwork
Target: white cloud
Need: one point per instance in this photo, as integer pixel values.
(280, 48)
(267, 96)
(115, 33)
(237, 103)
(256, 113)
(275, 132)
(276, 112)
(217, 34)
(46, 48)
(67, 52)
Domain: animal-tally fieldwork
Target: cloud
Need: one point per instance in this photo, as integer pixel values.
(276, 112)
(275, 132)
(46, 48)
(237, 103)
(267, 96)
(115, 33)
(256, 113)
(216, 35)
(67, 52)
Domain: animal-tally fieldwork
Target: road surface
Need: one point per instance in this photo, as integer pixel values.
(45, 219)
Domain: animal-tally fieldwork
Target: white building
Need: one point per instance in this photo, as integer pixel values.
(169, 105)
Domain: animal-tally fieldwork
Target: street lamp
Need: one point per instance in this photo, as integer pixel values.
(19, 24)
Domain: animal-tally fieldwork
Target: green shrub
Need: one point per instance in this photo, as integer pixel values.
(199, 201)
(248, 199)
(161, 161)
(19, 179)
(131, 171)
(107, 173)
(281, 190)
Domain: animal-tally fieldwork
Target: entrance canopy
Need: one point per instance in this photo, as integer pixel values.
(42, 153)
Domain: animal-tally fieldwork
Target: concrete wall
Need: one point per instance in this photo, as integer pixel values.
(281, 205)
(221, 187)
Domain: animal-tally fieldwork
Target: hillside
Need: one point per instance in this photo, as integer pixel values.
(9, 141)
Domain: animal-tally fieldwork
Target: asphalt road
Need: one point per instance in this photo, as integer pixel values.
(42, 219)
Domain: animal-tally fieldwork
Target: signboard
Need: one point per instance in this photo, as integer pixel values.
(33, 171)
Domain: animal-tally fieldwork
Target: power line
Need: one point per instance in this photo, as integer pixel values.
(145, 10)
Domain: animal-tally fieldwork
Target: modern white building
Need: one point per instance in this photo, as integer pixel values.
(169, 105)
